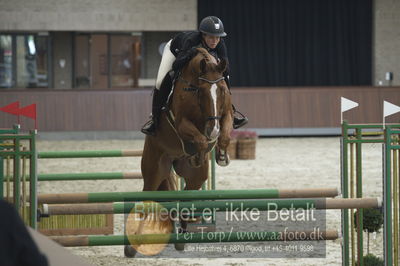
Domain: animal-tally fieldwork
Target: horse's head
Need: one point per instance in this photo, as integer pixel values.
(208, 80)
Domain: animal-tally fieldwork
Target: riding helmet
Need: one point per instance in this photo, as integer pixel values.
(212, 26)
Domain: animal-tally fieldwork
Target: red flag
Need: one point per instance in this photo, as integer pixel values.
(28, 111)
(12, 108)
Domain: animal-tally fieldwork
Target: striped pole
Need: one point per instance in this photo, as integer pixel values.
(186, 195)
(88, 154)
(88, 176)
(209, 237)
(219, 206)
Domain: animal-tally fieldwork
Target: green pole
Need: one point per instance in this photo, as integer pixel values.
(14, 130)
(183, 195)
(204, 237)
(87, 176)
(80, 176)
(188, 207)
(209, 237)
(33, 181)
(16, 174)
(387, 199)
(345, 192)
(1, 173)
(207, 207)
(213, 175)
(360, 248)
(213, 181)
(87, 154)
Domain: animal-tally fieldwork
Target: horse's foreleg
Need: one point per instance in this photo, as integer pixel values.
(189, 132)
(222, 157)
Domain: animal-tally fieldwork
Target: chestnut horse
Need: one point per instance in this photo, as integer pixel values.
(197, 118)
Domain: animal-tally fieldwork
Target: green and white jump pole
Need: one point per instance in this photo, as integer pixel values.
(185, 195)
(89, 154)
(215, 205)
(88, 176)
(209, 237)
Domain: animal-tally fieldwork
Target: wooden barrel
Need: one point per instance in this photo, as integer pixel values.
(246, 149)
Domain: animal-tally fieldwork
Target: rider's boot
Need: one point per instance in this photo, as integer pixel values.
(239, 119)
(150, 127)
(160, 97)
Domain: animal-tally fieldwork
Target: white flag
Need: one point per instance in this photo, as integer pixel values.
(389, 109)
(347, 104)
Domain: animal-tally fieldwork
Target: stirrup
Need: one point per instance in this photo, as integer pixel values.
(239, 121)
(149, 128)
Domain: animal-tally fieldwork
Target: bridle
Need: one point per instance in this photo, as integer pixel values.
(196, 89)
(211, 81)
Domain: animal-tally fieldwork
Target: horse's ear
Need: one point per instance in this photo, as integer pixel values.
(221, 67)
(203, 66)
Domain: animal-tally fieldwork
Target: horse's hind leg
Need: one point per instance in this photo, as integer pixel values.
(194, 178)
(152, 165)
(166, 185)
(156, 176)
(155, 173)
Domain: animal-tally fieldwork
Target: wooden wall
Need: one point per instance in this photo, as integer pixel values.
(127, 110)
(303, 107)
(78, 110)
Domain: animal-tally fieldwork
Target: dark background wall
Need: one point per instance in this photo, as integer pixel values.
(296, 43)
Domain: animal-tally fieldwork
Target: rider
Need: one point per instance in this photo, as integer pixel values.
(179, 51)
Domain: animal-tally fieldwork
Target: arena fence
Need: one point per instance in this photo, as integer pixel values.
(353, 136)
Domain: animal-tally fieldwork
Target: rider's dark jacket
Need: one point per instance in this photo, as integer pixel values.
(184, 45)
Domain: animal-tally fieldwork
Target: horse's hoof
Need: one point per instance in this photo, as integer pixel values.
(223, 159)
(129, 251)
(179, 246)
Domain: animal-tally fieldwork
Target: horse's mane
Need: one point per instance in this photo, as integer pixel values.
(206, 55)
(202, 53)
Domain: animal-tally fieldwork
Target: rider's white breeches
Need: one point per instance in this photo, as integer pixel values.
(167, 60)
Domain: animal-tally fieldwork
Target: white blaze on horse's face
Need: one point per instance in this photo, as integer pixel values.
(215, 131)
